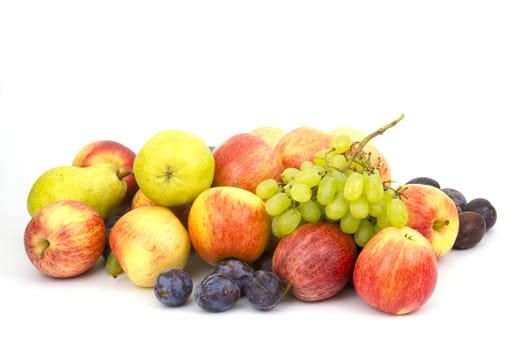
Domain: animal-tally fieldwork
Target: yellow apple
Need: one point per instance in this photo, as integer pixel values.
(173, 167)
(141, 200)
(148, 240)
(270, 134)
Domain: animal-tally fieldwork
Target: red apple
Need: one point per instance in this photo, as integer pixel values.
(301, 144)
(396, 271)
(229, 222)
(65, 238)
(244, 160)
(270, 134)
(148, 240)
(317, 259)
(433, 214)
(108, 151)
(141, 200)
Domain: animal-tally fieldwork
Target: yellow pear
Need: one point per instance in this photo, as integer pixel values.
(173, 167)
(99, 186)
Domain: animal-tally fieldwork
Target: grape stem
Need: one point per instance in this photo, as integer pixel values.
(379, 131)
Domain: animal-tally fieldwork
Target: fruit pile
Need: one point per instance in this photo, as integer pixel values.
(273, 213)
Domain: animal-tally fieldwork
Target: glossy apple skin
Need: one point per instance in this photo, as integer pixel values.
(301, 144)
(109, 151)
(228, 222)
(244, 160)
(396, 271)
(433, 214)
(270, 134)
(141, 200)
(148, 240)
(65, 238)
(317, 259)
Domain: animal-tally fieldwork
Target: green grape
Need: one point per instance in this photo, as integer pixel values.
(275, 227)
(348, 223)
(277, 203)
(354, 186)
(320, 157)
(337, 208)
(320, 169)
(382, 221)
(310, 211)
(337, 161)
(359, 208)
(267, 188)
(397, 212)
(288, 221)
(289, 174)
(308, 176)
(364, 233)
(389, 194)
(377, 209)
(374, 188)
(300, 192)
(341, 143)
(326, 189)
(340, 179)
(321, 208)
(306, 164)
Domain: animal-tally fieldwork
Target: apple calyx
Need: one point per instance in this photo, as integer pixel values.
(44, 244)
(438, 224)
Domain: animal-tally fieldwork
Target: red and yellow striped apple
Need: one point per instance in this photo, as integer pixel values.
(317, 259)
(396, 271)
(229, 222)
(433, 214)
(301, 144)
(65, 238)
(112, 152)
(244, 160)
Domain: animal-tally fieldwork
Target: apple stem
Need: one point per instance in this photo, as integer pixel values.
(123, 174)
(379, 131)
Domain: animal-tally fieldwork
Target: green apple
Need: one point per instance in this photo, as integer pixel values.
(173, 167)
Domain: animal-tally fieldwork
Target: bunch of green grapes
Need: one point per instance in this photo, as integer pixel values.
(340, 185)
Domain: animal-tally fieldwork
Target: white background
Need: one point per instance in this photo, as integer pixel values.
(72, 72)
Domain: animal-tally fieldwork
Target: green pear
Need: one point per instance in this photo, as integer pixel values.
(100, 186)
